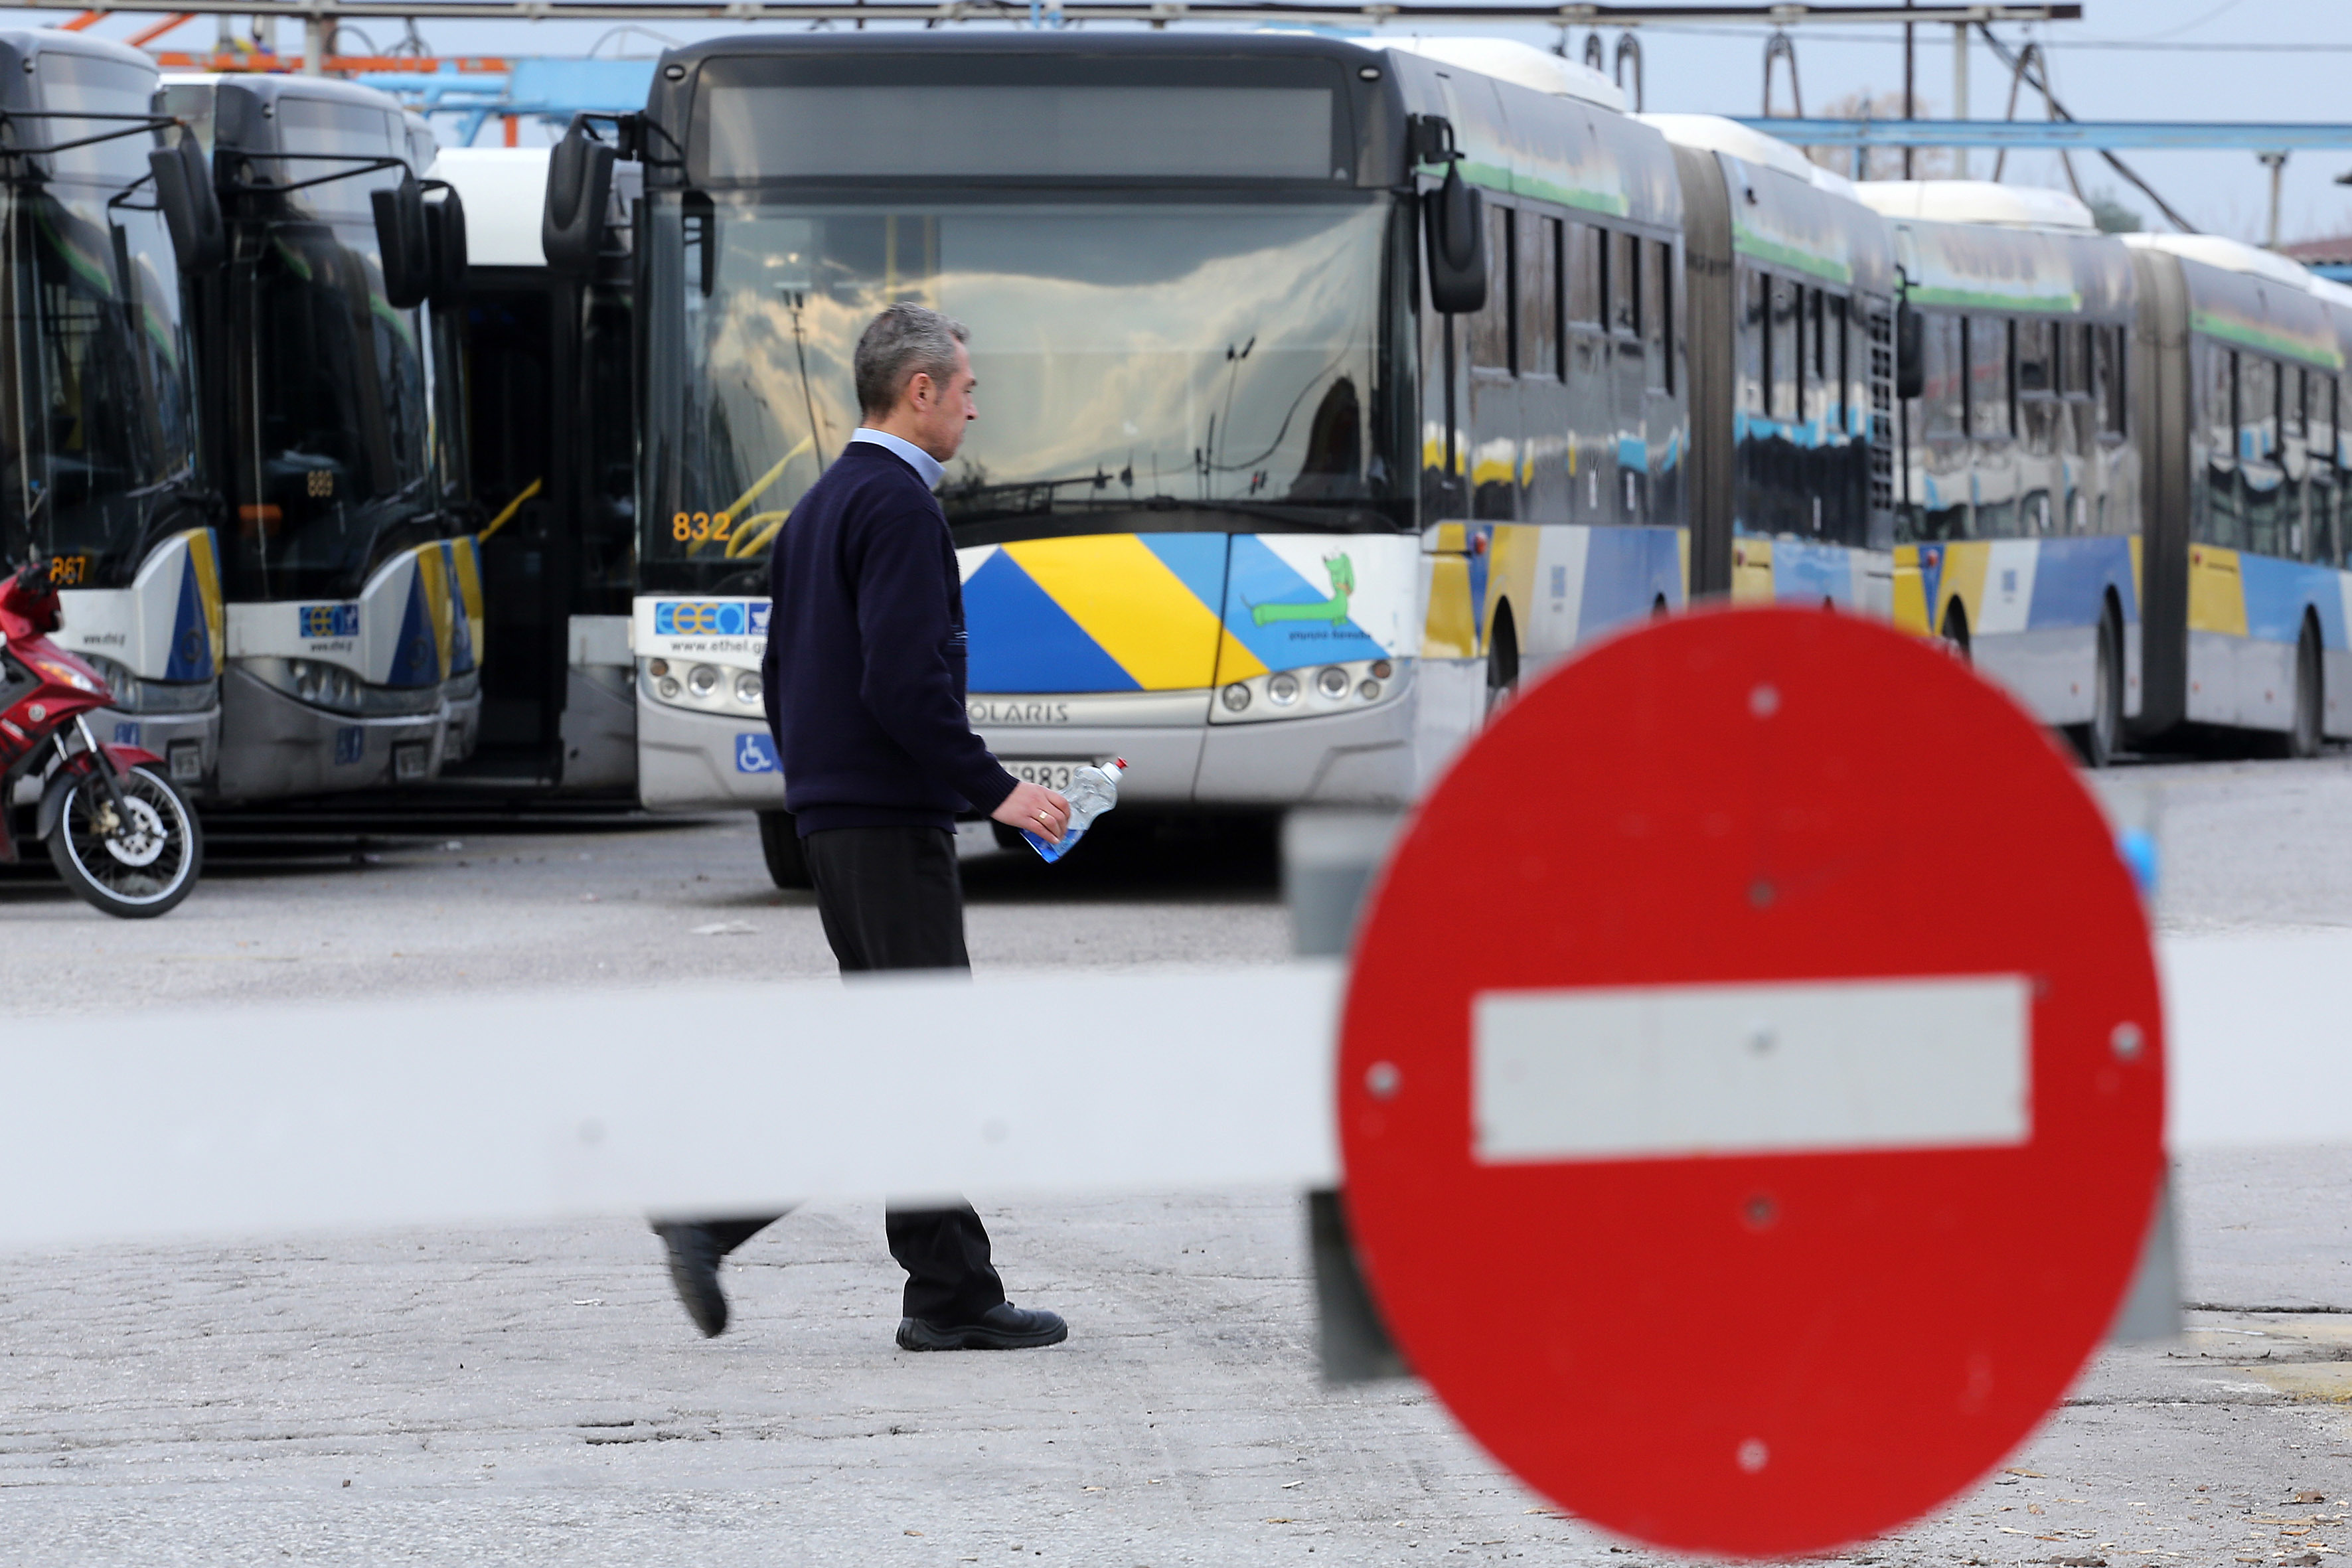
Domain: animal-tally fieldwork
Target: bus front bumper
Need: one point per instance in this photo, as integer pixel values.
(189, 743)
(274, 746)
(705, 761)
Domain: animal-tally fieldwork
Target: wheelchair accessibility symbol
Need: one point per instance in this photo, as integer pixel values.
(756, 753)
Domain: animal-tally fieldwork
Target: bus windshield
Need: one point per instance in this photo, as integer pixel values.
(97, 439)
(1201, 364)
(331, 445)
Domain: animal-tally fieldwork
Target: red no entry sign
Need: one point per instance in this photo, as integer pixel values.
(1750, 1087)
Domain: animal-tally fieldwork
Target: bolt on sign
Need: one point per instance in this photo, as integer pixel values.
(1779, 1142)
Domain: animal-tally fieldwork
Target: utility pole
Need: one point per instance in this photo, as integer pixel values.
(2276, 164)
(314, 47)
(1959, 93)
(1910, 72)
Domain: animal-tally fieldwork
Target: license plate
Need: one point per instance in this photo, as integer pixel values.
(408, 762)
(1050, 776)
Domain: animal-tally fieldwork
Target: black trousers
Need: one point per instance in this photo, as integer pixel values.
(891, 898)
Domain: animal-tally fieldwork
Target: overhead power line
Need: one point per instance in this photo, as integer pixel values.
(2041, 82)
(1155, 13)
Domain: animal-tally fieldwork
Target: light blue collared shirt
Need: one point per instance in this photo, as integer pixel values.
(922, 462)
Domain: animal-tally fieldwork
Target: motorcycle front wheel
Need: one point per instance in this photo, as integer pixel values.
(134, 868)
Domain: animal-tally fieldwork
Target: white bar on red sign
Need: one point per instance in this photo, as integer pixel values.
(1812, 1067)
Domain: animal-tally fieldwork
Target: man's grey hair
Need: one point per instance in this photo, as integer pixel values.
(902, 341)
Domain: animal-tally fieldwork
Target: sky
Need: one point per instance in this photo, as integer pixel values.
(2126, 59)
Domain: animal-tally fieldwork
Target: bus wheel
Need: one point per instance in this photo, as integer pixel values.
(780, 845)
(2310, 676)
(1955, 634)
(1501, 662)
(2102, 739)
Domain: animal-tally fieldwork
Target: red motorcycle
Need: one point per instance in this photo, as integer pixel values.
(119, 833)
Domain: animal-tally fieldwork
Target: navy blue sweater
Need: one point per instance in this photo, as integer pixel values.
(865, 668)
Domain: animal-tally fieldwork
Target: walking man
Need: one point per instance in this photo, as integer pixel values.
(865, 677)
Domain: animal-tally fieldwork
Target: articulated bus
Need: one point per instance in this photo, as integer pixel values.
(98, 428)
(2020, 512)
(1327, 389)
(1793, 304)
(353, 612)
(1243, 506)
(2241, 385)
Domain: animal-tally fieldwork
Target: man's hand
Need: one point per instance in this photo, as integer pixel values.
(1035, 809)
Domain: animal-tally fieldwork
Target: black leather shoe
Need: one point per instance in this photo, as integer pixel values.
(1005, 1327)
(694, 1257)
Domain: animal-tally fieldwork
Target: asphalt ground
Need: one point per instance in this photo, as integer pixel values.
(534, 1394)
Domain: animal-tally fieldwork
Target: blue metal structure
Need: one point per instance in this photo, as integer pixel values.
(2055, 135)
(549, 89)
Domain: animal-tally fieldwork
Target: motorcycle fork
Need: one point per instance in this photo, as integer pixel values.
(106, 773)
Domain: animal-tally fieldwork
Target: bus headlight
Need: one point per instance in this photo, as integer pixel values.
(724, 692)
(135, 695)
(1315, 692)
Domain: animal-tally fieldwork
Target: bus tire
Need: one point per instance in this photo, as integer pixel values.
(1955, 635)
(780, 845)
(2304, 742)
(1501, 662)
(2101, 740)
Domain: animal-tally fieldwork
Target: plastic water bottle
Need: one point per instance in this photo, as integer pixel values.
(1092, 792)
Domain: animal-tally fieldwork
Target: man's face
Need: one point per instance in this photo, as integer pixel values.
(941, 413)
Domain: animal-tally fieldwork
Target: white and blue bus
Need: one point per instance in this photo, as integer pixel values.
(1268, 496)
(99, 455)
(352, 600)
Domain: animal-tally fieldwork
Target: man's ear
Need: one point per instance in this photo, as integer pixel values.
(920, 387)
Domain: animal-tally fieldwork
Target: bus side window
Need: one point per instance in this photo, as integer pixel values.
(2118, 387)
(1782, 352)
(1624, 278)
(1491, 347)
(1754, 354)
(1986, 345)
(1538, 290)
(1944, 381)
(1584, 268)
(1837, 365)
(1657, 313)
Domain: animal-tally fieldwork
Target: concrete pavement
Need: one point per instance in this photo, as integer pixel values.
(534, 1394)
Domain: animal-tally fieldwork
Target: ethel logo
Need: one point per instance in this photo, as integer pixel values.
(1019, 712)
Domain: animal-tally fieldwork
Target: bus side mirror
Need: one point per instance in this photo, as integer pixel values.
(579, 185)
(191, 210)
(401, 238)
(1454, 218)
(445, 227)
(1910, 361)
